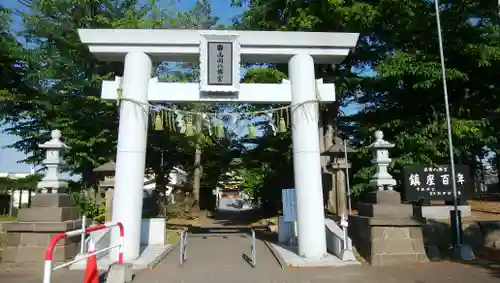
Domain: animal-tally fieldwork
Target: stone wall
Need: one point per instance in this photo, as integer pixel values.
(50, 214)
(482, 236)
(384, 245)
(393, 245)
(386, 232)
(388, 241)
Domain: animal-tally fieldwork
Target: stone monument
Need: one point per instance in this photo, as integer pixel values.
(339, 166)
(105, 174)
(385, 231)
(337, 196)
(51, 213)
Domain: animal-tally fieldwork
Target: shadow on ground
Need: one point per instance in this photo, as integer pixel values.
(235, 217)
(229, 218)
(482, 236)
(231, 223)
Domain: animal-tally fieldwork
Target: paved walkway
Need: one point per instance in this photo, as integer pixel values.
(215, 252)
(216, 256)
(442, 272)
(33, 273)
(219, 259)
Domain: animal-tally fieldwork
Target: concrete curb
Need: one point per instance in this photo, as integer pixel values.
(276, 255)
(104, 265)
(157, 260)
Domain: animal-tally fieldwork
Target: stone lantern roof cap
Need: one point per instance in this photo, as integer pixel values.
(106, 167)
(337, 147)
(380, 142)
(55, 141)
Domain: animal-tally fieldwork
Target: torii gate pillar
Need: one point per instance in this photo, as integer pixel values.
(300, 49)
(306, 158)
(131, 153)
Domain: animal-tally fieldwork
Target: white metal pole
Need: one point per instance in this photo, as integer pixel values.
(348, 243)
(181, 254)
(82, 244)
(47, 270)
(254, 249)
(448, 125)
(349, 207)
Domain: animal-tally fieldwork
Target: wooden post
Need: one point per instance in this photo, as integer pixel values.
(20, 198)
(109, 205)
(332, 194)
(11, 202)
(341, 193)
(29, 197)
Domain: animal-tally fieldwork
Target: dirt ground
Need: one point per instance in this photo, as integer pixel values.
(491, 207)
(483, 211)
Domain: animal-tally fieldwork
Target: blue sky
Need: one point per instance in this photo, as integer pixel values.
(9, 158)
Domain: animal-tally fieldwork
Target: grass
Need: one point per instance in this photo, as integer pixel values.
(485, 206)
(172, 236)
(7, 218)
(3, 243)
(3, 235)
(357, 255)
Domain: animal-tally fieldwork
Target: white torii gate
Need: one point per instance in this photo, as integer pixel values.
(219, 82)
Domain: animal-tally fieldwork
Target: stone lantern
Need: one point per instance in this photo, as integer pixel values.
(380, 149)
(337, 196)
(384, 228)
(49, 214)
(52, 181)
(106, 175)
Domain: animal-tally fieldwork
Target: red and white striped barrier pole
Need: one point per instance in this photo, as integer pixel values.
(50, 248)
(91, 270)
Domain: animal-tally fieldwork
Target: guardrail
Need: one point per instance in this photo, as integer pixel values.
(252, 259)
(183, 247)
(47, 272)
(254, 249)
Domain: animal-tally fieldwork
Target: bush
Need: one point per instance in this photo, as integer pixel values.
(89, 207)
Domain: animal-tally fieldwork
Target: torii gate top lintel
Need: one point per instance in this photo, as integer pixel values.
(177, 45)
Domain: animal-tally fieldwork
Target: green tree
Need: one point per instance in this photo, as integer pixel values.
(266, 162)
(66, 78)
(13, 64)
(198, 17)
(404, 98)
(323, 16)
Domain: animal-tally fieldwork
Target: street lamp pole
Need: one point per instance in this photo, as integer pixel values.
(462, 251)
